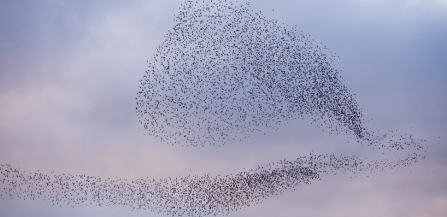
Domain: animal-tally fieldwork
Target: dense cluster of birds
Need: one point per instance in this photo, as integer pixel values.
(222, 73)
(225, 71)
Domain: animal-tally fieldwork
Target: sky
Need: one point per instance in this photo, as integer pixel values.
(70, 71)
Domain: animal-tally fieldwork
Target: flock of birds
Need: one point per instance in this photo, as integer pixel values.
(191, 195)
(222, 73)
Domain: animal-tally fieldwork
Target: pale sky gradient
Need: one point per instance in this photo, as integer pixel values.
(70, 70)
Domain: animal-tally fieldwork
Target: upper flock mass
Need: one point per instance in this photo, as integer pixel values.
(223, 72)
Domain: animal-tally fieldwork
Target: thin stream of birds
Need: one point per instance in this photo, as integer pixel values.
(191, 195)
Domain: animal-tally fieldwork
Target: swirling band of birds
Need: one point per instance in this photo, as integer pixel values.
(222, 73)
(191, 195)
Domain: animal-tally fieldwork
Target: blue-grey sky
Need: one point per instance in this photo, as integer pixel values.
(70, 70)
